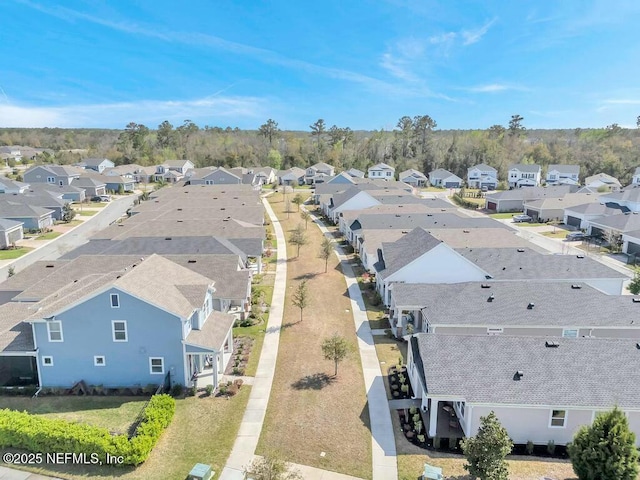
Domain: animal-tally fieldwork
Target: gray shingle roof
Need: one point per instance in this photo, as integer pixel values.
(531, 193)
(595, 208)
(94, 162)
(628, 195)
(565, 169)
(428, 220)
(510, 264)
(441, 173)
(557, 304)
(529, 168)
(15, 334)
(8, 224)
(484, 167)
(585, 372)
(412, 173)
(400, 253)
(623, 223)
(20, 210)
(213, 332)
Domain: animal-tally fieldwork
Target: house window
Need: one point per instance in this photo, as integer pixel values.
(47, 361)
(156, 365)
(115, 300)
(388, 174)
(495, 331)
(558, 418)
(99, 361)
(570, 332)
(55, 331)
(119, 330)
(51, 179)
(208, 182)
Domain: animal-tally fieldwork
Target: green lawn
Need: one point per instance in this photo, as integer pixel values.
(86, 213)
(203, 430)
(559, 233)
(48, 236)
(14, 253)
(503, 216)
(114, 413)
(257, 333)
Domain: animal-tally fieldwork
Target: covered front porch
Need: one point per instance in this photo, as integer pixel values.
(405, 320)
(445, 419)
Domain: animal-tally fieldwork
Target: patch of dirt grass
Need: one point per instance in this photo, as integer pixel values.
(390, 352)
(310, 411)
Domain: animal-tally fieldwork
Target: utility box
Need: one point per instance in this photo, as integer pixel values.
(431, 473)
(200, 471)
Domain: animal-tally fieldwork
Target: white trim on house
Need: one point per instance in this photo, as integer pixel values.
(564, 417)
(49, 331)
(116, 297)
(99, 361)
(570, 332)
(494, 331)
(114, 331)
(152, 366)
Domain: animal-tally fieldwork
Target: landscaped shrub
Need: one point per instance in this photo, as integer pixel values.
(529, 448)
(40, 434)
(177, 390)
(209, 389)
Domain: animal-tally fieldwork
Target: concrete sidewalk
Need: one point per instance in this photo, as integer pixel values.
(246, 442)
(11, 474)
(385, 464)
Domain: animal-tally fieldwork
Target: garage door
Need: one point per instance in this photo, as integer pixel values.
(597, 232)
(452, 185)
(573, 221)
(532, 213)
(633, 248)
(492, 206)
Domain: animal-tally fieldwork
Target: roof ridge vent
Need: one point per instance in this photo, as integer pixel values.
(530, 306)
(551, 344)
(485, 285)
(520, 250)
(576, 286)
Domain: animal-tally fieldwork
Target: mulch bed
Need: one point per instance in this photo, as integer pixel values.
(242, 347)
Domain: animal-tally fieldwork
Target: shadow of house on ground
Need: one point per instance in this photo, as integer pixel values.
(281, 327)
(317, 381)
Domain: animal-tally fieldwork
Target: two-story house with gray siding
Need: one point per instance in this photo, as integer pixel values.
(212, 176)
(132, 327)
(97, 164)
(53, 174)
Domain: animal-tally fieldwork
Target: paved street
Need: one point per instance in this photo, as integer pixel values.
(72, 239)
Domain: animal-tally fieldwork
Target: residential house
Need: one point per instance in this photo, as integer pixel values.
(318, 172)
(553, 208)
(92, 186)
(172, 171)
(381, 170)
(533, 308)
(513, 200)
(563, 175)
(11, 152)
(52, 174)
(541, 390)
(445, 179)
(636, 177)
(481, 176)
(119, 184)
(11, 186)
(294, 176)
(152, 324)
(341, 178)
(53, 201)
(521, 175)
(413, 178)
(611, 228)
(265, 175)
(631, 244)
(18, 366)
(212, 176)
(63, 192)
(579, 216)
(355, 173)
(97, 164)
(418, 257)
(603, 182)
(351, 199)
(629, 198)
(32, 218)
(10, 232)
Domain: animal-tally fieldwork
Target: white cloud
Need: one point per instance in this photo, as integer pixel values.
(474, 36)
(496, 88)
(623, 101)
(202, 110)
(443, 38)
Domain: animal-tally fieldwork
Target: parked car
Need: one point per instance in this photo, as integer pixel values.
(522, 218)
(101, 198)
(574, 236)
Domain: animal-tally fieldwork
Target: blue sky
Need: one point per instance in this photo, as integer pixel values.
(362, 64)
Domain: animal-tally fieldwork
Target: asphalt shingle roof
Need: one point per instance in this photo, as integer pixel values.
(585, 372)
(15, 334)
(402, 252)
(529, 168)
(623, 223)
(424, 220)
(213, 332)
(565, 169)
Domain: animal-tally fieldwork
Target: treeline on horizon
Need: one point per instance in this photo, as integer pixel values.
(414, 143)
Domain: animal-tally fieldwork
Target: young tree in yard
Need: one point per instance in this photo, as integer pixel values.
(301, 297)
(298, 200)
(634, 285)
(11, 272)
(486, 451)
(335, 348)
(606, 449)
(326, 249)
(270, 467)
(68, 213)
(298, 238)
(306, 216)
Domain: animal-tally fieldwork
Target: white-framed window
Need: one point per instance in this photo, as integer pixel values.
(54, 329)
(119, 330)
(570, 332)
(156, 365)
(99, 361)
(47, 361)
(115, 300)
(558, 419)
(495, 331)
(51, 179)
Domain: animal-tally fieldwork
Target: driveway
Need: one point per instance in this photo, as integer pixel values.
(57, 247)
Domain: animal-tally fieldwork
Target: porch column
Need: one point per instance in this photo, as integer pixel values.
(433, 417)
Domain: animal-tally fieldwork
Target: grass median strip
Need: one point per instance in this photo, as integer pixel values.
(311, 411)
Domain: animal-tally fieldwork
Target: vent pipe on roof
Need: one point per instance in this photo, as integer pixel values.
(485, 285)
(550, 344)
(518, 375)
(491, 297)
(576, 287)
(636, 300)
(579, 256)
(530, 306)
